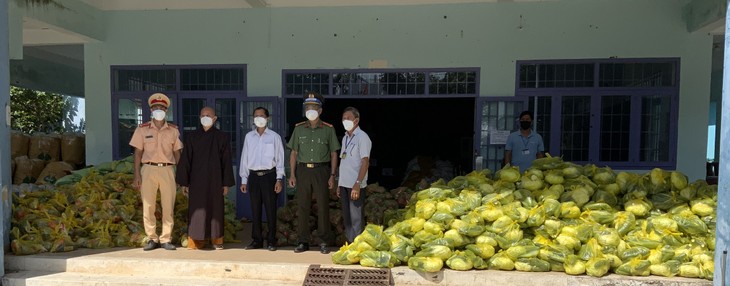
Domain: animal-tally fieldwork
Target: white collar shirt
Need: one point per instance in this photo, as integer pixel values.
(262, 152)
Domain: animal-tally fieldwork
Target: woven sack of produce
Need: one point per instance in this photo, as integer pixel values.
(46, 147)
(54, 171)
(27, 170)
(73, 147)
(18, 144)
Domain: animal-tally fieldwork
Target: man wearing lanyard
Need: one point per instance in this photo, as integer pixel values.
(354, 162)
(262, 169)
(156, 145)
(312, 161)
(523, 146)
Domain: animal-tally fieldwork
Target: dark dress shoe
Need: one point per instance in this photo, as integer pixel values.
(168, 246)
(302, 247)
(272, 247)
(151, 245)
(254, 245)
(324, 249)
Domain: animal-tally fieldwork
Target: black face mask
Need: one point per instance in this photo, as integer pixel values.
(524, 125)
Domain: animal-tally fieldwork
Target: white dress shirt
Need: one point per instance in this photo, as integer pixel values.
(356, 147)
(262, 152)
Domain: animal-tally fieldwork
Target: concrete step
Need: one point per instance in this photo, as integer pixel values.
(165, 268)
(35, 278)
(283, 267)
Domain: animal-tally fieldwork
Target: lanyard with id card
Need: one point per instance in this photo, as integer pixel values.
(525, 151)
(347, 144)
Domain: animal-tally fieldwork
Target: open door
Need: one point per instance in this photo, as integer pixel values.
(496, 118)
(246, 107)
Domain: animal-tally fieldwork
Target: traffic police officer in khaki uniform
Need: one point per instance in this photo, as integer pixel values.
(156, 150)
(312, 161)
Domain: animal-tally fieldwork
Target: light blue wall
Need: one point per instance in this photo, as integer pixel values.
(40, 74)
(491, 36)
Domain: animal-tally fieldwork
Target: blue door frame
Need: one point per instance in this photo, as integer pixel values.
(245, 106)
(501, 115)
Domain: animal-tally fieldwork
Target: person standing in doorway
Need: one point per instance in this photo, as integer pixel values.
(354, 163)
(262, 169)
(525, 145)
(312, 162)
(205, 172)
(156, 150)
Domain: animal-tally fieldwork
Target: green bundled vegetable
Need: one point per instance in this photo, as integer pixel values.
(598, 266)
(639, 207)
(401, 246)
(703, 207)
(635, 267)
(380, 259)
(460, 261)
(574, 265)
(566, 217)
(532, 265)
(425, 208)
(437, 251)
(522, 251)
(346, 255)
(690, 224)
(501, 261)
(425, 264)
(678, 180)
(482, 250)
(666, 269)
(374, 236)
(424, 236)
(509, 174)
(454, 206)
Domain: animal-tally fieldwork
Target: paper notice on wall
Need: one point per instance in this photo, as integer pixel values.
(498, 137)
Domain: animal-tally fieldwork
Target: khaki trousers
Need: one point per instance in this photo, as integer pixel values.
(158, 178)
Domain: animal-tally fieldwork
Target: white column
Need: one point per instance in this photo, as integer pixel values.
(723, 197)
(5, 179)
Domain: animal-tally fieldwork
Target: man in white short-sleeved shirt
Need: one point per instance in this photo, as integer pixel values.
(354, 162)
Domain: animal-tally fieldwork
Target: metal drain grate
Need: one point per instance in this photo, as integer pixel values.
(318, 276)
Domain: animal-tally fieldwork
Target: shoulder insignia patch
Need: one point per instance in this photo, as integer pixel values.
(300, 123)
(327, 124)
(144, 124)
(171, 125)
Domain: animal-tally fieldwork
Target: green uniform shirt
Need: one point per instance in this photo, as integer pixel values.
(313, 143)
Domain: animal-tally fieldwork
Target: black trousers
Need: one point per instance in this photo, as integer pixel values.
(261, 191)
(313, 182)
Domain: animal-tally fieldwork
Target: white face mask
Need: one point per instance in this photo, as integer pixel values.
(206, 121)
(312, 115)
(348, 124)
(158, 115)
(259, 121)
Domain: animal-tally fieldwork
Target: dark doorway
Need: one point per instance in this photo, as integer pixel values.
(401, 129)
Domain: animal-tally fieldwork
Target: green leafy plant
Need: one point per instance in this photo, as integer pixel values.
(36, 111)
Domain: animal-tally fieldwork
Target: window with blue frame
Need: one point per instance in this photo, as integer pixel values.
(616, 112)
(386, 82)
(132, 85)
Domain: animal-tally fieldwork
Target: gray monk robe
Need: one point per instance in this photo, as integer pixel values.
(205, 167)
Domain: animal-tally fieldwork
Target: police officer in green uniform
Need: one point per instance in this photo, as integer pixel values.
(312, 161)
